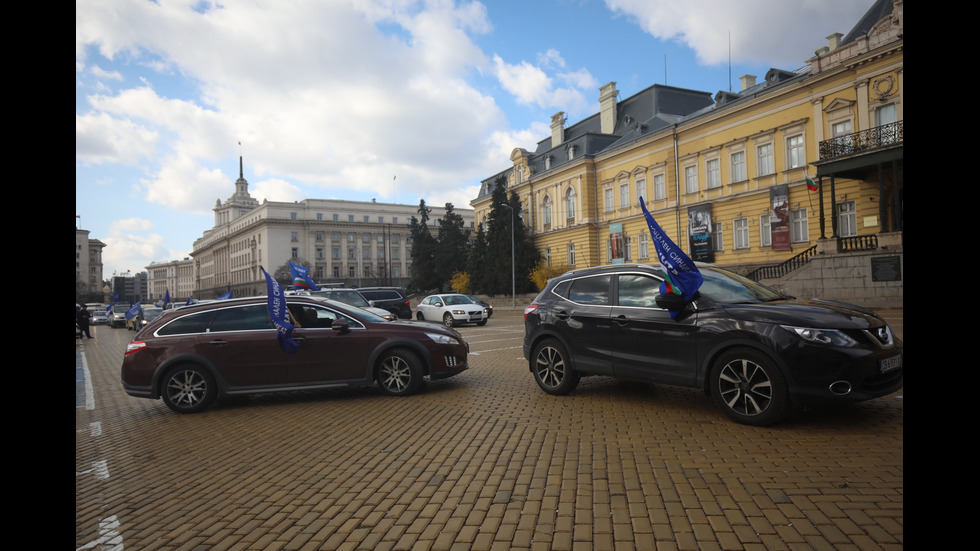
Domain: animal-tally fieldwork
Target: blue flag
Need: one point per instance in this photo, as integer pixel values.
(279, 314)
(225, 296)
(682, 277)
(166, 299)
(190, 301)
(134, 310)
(301, 278)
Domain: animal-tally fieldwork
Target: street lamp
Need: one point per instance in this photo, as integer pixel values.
(513, 285)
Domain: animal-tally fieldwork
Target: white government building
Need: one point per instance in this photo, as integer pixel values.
(355, 243)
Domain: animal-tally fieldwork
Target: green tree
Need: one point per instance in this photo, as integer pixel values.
(424, 251)
(452, 248)
(493, 259)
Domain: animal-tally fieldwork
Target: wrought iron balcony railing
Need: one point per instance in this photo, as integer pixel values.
(860, 142)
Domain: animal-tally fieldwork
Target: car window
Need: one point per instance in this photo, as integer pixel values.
(638, 290)
(309, 316)
(185, 325)
(243, 318)
(590, 290)
(729, 288)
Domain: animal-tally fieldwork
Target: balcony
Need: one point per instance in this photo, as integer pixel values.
(879, 137)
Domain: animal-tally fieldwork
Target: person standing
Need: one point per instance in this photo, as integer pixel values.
(82, 317)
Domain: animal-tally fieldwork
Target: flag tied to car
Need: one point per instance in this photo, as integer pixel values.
(134, 310)
(681, 275)
(225, 296)
(279, 314)
(301, 278)
(166, 298)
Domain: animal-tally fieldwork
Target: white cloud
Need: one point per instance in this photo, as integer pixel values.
(531, 85)
(781, 34)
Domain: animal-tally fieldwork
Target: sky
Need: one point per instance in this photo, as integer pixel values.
(387, 100)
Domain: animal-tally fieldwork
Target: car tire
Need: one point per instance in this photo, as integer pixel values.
(189, 388)
(419, 316)
(749, 388)
(552, 370)
(399, 373)
(448, 321)
(484, 322)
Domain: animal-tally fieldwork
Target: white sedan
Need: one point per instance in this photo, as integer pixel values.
(451, 310)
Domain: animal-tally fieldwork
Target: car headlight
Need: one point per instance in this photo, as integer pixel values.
(459, 313)
(822, 336)
(442, 339)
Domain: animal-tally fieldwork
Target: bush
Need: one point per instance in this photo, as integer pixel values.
(460, 282)
(542, 273)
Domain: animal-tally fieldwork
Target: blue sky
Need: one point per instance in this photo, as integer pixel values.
(393, 100)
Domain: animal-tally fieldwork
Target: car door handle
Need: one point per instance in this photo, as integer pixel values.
(563, 315)
(218, 342)
(621, 320)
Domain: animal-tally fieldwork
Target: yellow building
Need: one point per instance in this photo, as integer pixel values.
(725, 175)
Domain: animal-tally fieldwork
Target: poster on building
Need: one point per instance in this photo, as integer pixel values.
(699, 233)
(779, 217)
(616, 249)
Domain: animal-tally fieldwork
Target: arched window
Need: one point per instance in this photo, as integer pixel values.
(570, 204)
(546, 211)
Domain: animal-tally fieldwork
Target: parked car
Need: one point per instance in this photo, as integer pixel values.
(140, 321)
(451, 309)
(99, 317)
(191, 356)
(483, 303)
(753, 350)
(392, 299)
(351, 297)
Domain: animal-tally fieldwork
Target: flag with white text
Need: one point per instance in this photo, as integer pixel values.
(279, 314)
(681, 275)
(301, 278)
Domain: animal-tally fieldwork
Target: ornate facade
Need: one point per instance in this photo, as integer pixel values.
(726, 175)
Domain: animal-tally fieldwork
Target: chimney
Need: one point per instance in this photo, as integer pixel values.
(557, 128)
(607, 108)
(834, 41)
(748, 81)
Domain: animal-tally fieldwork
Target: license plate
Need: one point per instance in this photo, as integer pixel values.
(891, 364)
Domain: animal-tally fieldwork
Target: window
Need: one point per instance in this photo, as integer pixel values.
(738, 166)
(295, 252)
(319, 237)
(798, 231)
(367, 271)
(570, 204)
(367, 218)
(608, 198)
(571, 152)
(546, 212)
(335, 253)
(547, 256)
(590, 290)
(335, 237)
(638, 291)
(293, 236)
(350, 271)
(571, 254)
(641, 189)
(691, 179)
(624, 196)
(381, 239)
(847, 219)
(350, 238)
(659, 187)
(740, 230)
(366, 238)
(336, 271)
(886, 114)
(350, 253)
(765, 230)
(717, 237)
(644, 246)
(714, 173)
(350, 217)
(765, 164)
(319, 253)
(292, 216)
(336, 218)
(795, 154)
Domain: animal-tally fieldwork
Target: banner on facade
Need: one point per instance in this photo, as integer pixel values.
(699, 233)
(779, 217)
(616, 243)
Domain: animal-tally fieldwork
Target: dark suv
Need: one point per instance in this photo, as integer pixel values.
(753, 350)
(392, 299)
(191, 356)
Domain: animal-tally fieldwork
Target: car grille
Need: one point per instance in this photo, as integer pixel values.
(453, 361)
(880, 381)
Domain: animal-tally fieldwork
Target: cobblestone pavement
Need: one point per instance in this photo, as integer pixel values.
(481, 461)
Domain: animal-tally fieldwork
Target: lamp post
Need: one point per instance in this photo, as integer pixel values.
(513, 285)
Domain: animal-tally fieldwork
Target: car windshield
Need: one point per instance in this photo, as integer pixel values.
(348, 297)
(457, 299)
(728, 288)
(151, 313)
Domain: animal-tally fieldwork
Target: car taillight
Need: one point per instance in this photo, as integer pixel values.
(135, 346)
(529, 309)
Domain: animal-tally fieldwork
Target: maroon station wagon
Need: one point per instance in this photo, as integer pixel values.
(191, 356)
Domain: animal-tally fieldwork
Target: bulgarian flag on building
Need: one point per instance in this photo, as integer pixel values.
(809, 183)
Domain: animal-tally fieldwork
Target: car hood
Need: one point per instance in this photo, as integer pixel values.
(815, 313)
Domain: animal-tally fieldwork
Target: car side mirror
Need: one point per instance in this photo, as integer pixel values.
(371, 302)
(340, 325)
(437, 304)
(673, 303)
